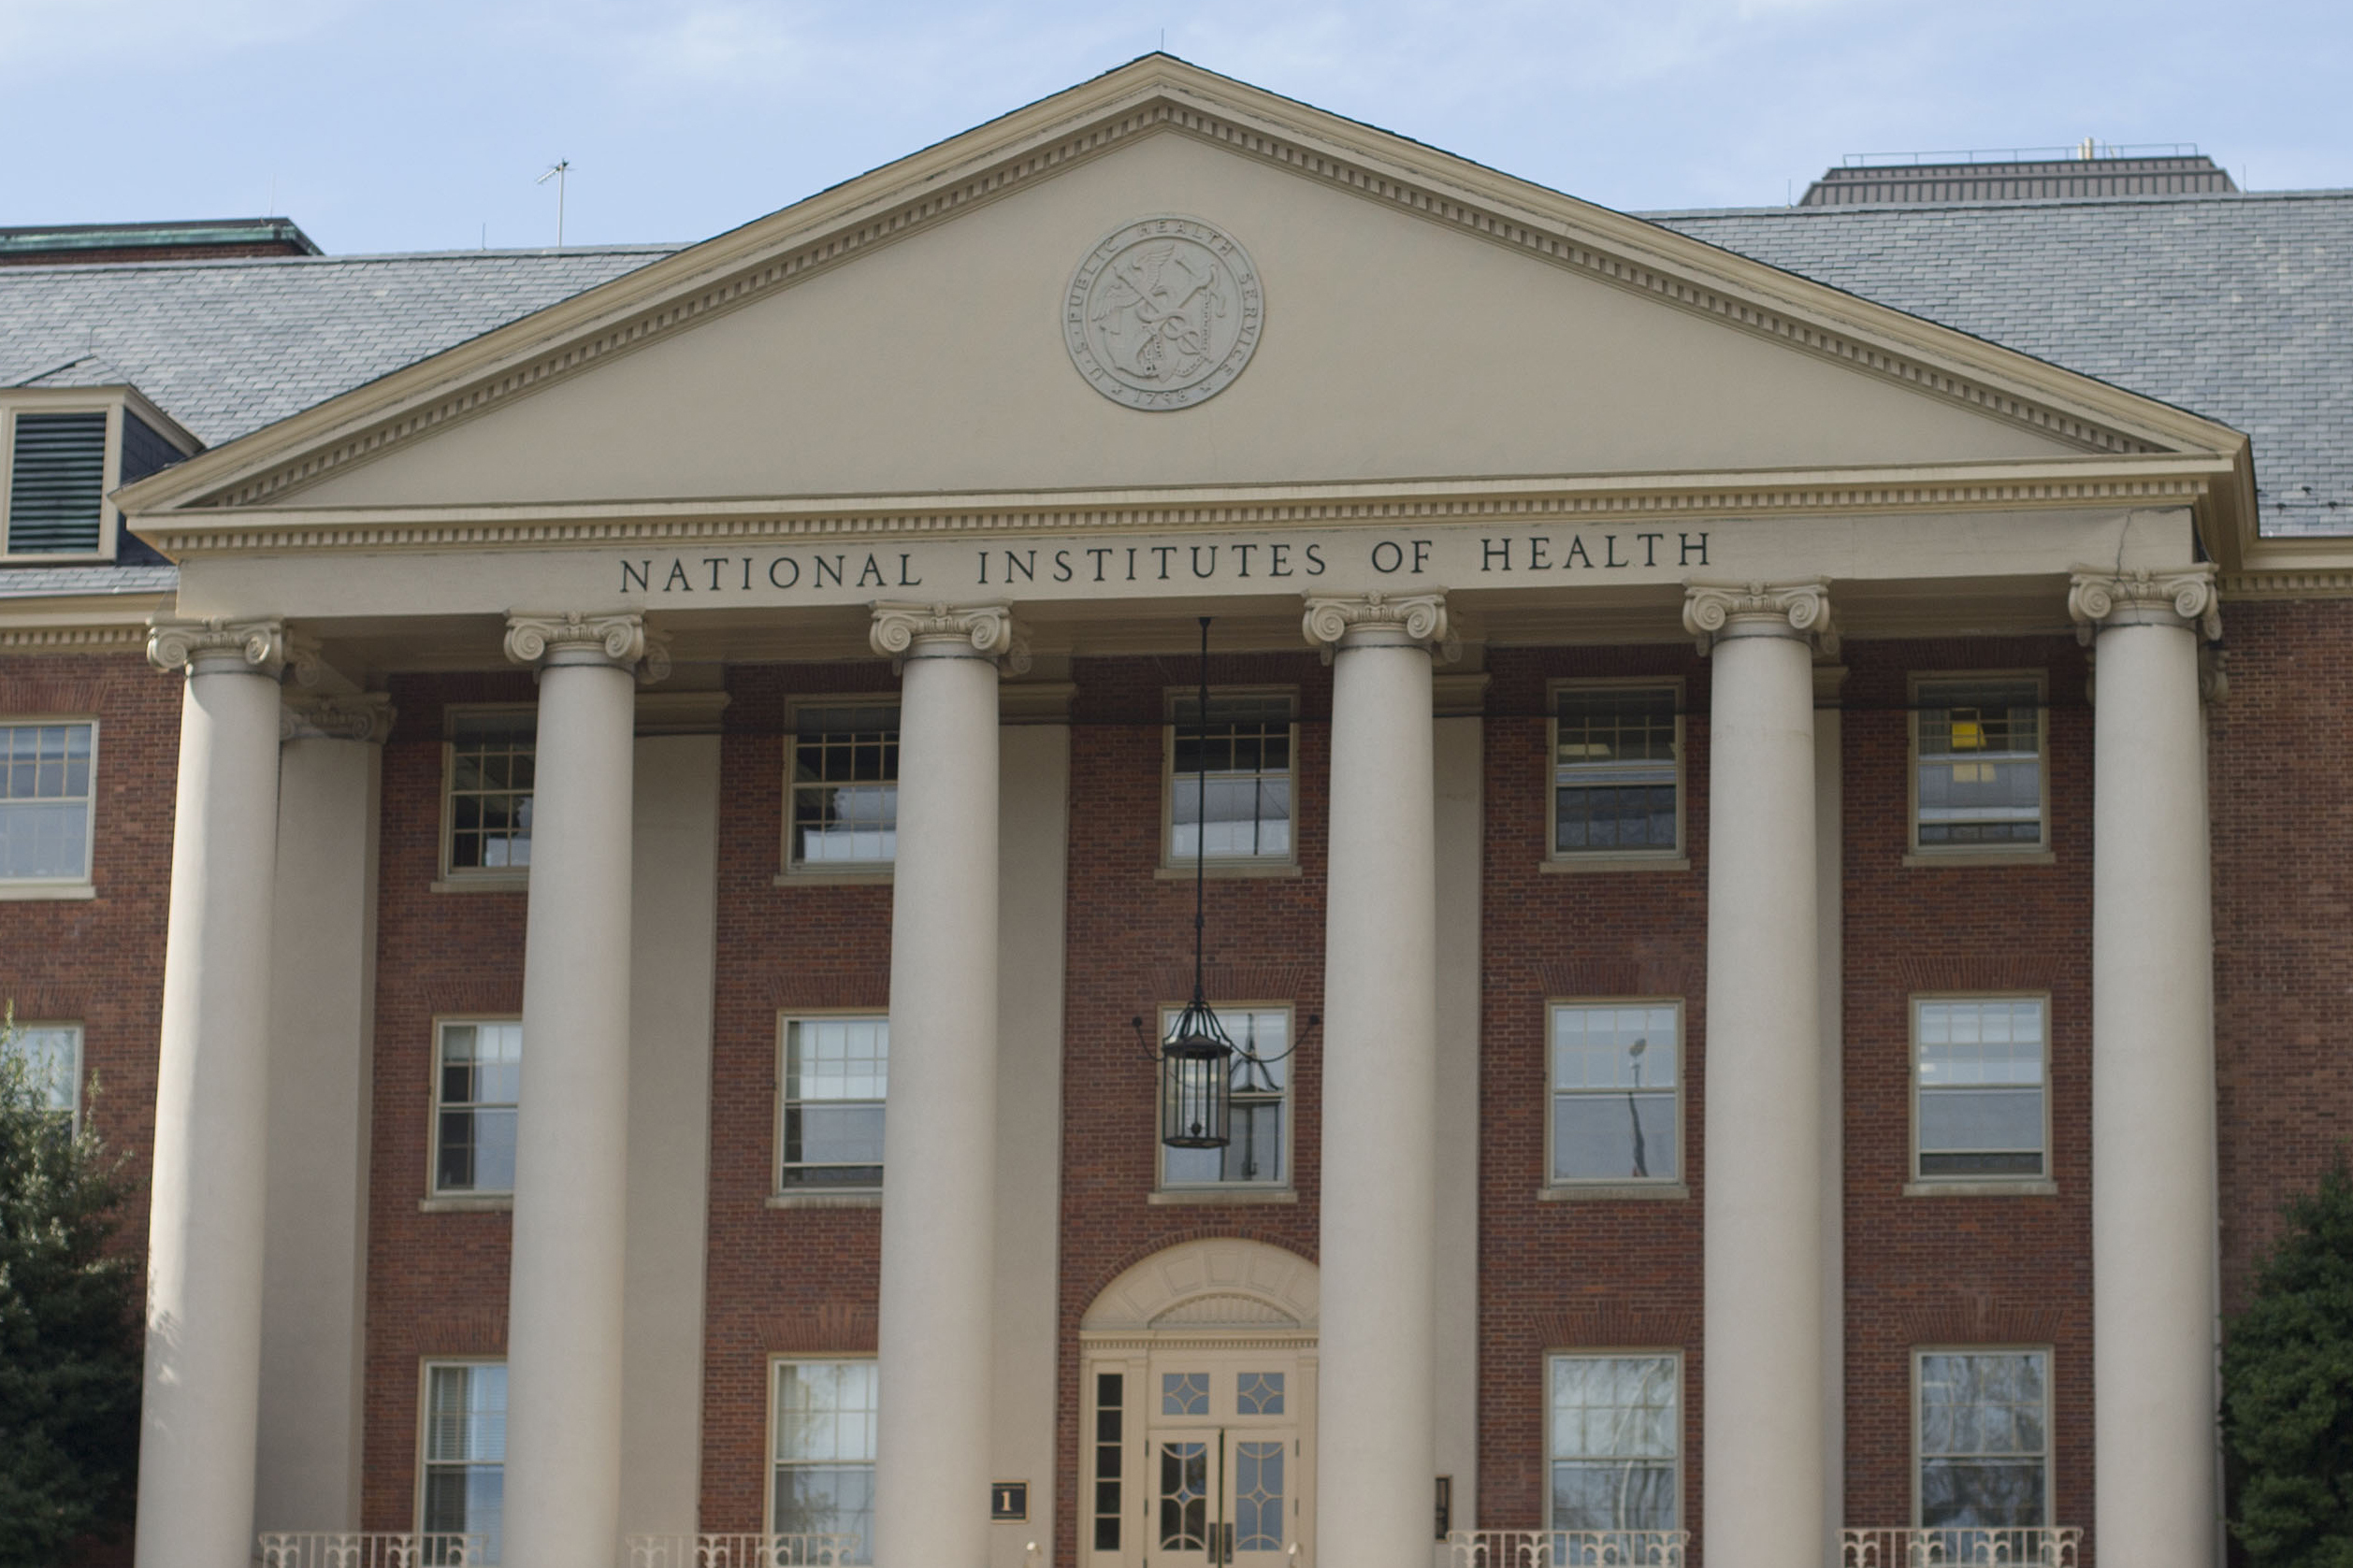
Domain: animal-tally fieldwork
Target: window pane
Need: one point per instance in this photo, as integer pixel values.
(844, 790)
(1626, 1137)
(1983, 1438)
(1614, 769)
(490, 789)
(836, 1077)
(468, 1500)
(466, 1415)
(481, 1080)
(1246, 747)
(828, 1500)
(1615, 1114)
(1981, 1096)
(1616, 1430)
(1257, 1118)
(53, 1058)
(45, 801)
(1625, 1496)
(825, 1411)
(1978, 771)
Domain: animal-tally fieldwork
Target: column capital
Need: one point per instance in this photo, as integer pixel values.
(217, 644)
(907, 629)
(359, 717)
(2098, 599)
(1366, 620)
(1798, 608)
(618, 638)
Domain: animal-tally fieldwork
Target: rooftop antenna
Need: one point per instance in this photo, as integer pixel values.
(556, 171)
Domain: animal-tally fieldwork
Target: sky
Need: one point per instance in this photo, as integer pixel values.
(422, 124)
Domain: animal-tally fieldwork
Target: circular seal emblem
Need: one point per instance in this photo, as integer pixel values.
(1163, 313)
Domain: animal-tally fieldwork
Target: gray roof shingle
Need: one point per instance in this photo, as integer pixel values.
(2239, 307)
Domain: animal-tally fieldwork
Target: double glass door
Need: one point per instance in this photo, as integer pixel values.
(1225, 1470)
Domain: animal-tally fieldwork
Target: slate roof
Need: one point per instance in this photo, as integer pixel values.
(225, 347)
(2238, 307)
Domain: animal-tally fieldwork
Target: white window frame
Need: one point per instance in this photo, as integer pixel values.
(1286, 1115)
(771, 1464)
(1556, 1186)
(1917, 853)
(26, 1029)
(1177, 866)
(815, 1194)
(481, 876)
(84, 885)
(821, 871)
(425, 1368)
(2050, 1429)
(434, 1191)
(1919, 1183)
(1614, 1353)
(1555, 859)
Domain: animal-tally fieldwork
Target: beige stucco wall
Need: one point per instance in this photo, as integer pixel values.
(1034, 832)
(673, 944)
(1392, 347)
(322, 1021)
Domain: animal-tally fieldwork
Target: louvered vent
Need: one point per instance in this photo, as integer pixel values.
(57, 487)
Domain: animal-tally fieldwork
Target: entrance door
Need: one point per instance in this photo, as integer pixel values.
(1225, 1469)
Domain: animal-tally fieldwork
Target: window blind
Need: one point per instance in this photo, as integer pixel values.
(57, 486)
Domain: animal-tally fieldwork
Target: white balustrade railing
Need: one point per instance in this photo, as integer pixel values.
(1566, 1549)
(1961, 1546)
(722, 1550)
(357, 1548)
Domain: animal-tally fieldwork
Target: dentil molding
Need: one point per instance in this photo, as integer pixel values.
(361, 717)
(217, 643)
(1335, 621)
(2184, 596)
(574, 637)
(1800, 610)
(905, 629)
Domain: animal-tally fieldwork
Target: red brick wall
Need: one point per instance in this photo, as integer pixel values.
(1944, 1271)
(2281, 760)
(1590, 1274)
(436, 1283)
(1130, 950)
(100, 961)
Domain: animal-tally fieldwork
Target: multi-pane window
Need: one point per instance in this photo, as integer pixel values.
(1978, 767)
(1241, 810)
(1984, 1442)
(1617, 760)
(464, 1457)
(1258, 1111)
(1616, 1438)
(1979, 1110)
(835, 1073)
(1111, 1438)
(824, 1452)
(44, 796)
(51, 1053)
(478, 1077)
(489, 813)
(1615, 1111)
(844, 785)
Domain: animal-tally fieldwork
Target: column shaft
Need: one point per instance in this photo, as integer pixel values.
(1377, 1337)
(564, 1315)
(200, 1417)
(2153, 1152)
(936, 1333)
(1763, 1290)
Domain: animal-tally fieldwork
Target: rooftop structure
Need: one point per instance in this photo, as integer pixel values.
(88, 244)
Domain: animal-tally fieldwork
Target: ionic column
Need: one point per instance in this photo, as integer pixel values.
(936, 1335)
(200, 1417)
(2153, 1203)
(1763, 1290)
(563, 1467)
(1377, 1340)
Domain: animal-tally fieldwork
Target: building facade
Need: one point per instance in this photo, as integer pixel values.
(1784, 972)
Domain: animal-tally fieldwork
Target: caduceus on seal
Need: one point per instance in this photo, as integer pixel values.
(1155, 307)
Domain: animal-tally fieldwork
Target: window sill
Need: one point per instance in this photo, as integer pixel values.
(2024, 1186)
(846, 876)
(502, 881)
(856, 1198)
(1224, 1195)
(467, 1203)
(1613, 1192)
(43, 891)
(1615, 863)
(1947, 858)
(1230, 871)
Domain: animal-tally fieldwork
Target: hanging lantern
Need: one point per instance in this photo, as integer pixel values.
(1196, 1080)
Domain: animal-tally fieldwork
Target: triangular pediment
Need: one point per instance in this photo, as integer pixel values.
(1416, 318)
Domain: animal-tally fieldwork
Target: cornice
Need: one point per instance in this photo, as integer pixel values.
(2066, 483)
(2315, 583)
(1159, 96)
(90, 638)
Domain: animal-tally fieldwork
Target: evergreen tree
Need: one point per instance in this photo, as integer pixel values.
(69, 1336)
(2287, 1391)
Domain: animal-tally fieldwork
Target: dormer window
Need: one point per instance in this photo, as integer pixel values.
(63, 456)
